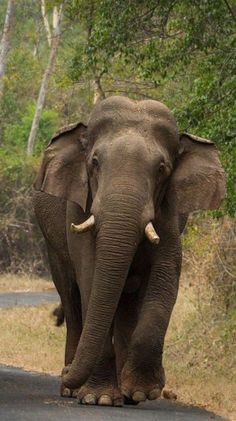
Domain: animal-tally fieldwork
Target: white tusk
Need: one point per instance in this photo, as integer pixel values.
(85, 226)
(151, 234)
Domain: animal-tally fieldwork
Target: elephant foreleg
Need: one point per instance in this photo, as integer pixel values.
(102, 387)
(143, 374)
(64, 280)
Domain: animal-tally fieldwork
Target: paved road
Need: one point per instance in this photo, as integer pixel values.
(33, 397)
(15, 299)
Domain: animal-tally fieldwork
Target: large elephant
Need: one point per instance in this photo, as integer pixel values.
(112, 199)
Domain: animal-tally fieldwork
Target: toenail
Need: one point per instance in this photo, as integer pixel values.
(89, 399)
(154, 394)
(65, 370)
(105, 400)
(66, 393)
(74, 393)
(139, 396)
(126, 393)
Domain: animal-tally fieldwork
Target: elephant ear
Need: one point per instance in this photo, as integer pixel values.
(63, 170)
(198, 180)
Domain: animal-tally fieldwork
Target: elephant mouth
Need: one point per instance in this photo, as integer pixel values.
(88, 225)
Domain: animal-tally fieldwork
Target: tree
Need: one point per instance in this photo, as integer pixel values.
(185, 49)
(5, 41)
(55, 39)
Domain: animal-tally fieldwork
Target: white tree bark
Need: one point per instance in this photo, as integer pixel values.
(46, 23)
(4, 44)
(57, 17)
(98, 94)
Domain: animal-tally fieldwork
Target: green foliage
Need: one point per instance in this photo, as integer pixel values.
(23, 73)
(155, 38)
(210, 110)
(184, 50)
(17, 134)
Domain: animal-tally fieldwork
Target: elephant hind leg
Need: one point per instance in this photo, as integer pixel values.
(58, 313)
(65, 282)
(125, 323)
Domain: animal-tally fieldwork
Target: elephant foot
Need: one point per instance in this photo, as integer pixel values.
(140, 384)
(101, 388)
(106, 395)
(65, 392)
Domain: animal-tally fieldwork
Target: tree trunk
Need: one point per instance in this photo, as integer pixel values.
(4, 45)
(44, 84)
(46, 23)
(98, 91)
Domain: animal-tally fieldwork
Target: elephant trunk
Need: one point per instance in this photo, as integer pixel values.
(117, 239)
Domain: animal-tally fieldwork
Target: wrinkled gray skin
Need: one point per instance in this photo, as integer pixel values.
(130, 166)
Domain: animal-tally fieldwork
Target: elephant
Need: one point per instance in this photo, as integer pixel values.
(58, 314)
(112, 198)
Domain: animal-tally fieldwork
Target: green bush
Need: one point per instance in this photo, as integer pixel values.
(17, 134)
(21, 245)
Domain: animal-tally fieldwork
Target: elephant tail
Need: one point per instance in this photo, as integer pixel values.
(58, 314)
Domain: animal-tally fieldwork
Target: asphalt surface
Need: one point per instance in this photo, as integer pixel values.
(28, 396)
(15, 299)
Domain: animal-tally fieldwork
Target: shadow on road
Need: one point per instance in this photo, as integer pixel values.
(28, 396)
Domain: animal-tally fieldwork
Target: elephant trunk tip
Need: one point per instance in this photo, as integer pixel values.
(71, 378)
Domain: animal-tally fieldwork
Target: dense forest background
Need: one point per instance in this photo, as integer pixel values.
(57, 58)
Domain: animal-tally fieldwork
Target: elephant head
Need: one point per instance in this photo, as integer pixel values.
(122, 167)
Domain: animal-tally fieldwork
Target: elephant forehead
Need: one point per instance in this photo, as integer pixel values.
(117, 114)
(129, 143)
(121, 104)
(122, 109)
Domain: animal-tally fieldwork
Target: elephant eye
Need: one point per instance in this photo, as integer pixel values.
(95, 162)
(161, 168)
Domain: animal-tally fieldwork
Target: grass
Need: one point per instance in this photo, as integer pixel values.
(200, 360)
(200, 354)
(30, 339)
(23, 282)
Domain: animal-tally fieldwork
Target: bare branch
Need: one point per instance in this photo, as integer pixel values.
(44, 84)
(128, 91)
(231, 10)
(99, 93)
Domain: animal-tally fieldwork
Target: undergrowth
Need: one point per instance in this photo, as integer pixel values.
(200, 350)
